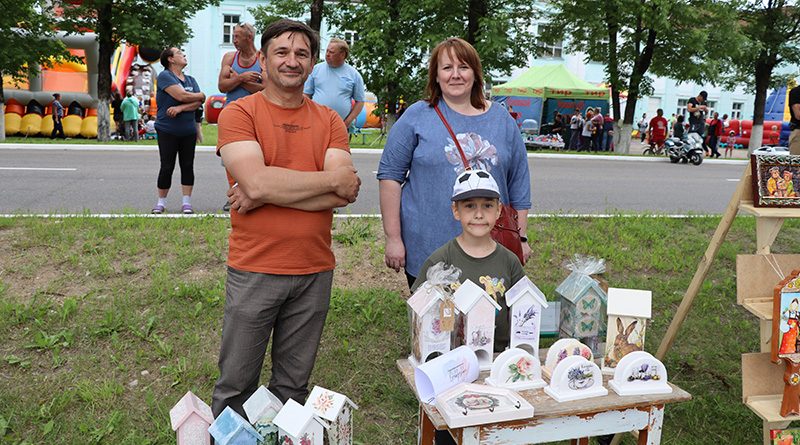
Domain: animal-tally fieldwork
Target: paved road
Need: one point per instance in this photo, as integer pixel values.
(68, 181)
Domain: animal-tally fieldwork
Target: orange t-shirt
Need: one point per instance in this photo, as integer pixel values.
(273, 239)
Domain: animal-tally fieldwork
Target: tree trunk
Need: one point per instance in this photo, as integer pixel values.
(763, 75)
(624, 138)
(478, 9)
(612, 68)
(316, 15)
(624, 146)
(2, 111)
(105, 37)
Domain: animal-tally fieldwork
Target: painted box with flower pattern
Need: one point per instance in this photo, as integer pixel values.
(190, 419)
(298, 425)
(335, 411)
(583, 308)
(477, 310)
(429, 339)
(261, 409)
(628, 312)
(516, 369)
(526, 303)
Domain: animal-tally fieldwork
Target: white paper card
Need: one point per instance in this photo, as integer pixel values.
(444, 372)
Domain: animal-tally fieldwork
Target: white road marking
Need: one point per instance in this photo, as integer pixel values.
(733, 180)
(44, 169)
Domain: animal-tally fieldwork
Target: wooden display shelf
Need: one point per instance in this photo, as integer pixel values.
(769, 212)
(756, 279)
(761, 309)
(768, 408)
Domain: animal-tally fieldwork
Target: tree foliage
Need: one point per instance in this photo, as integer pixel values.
(395, 37)
(139, 22)
(686, 40)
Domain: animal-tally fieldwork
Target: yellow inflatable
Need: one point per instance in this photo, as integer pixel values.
(72, 125)
(13, 121)
(89, 127)
(47, 125)
(31, 124)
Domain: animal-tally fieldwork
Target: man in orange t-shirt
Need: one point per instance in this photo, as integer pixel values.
(289, 166)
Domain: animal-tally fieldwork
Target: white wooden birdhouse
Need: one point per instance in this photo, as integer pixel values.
(429, 338)
(526, 303)
(583, 304)
(297, 425)
(628, 312)
(336, 412)
(232, 429)
(261, 409)
(477, 320)
(190, 418)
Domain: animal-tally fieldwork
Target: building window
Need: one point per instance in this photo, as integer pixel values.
(547, 51)
(681, 110)
(350, 37)
(736, 110)
(228, 23)
(712, 105)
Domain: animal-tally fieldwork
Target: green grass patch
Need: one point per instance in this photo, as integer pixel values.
(107, 323)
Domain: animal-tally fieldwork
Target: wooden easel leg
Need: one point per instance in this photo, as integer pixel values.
(426, 435)
(704, 266)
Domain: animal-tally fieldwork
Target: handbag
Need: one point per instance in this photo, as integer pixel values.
(506, 228)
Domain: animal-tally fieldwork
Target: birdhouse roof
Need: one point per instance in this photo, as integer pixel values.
(575, 286)
(629, 302)
(525, 287)
(424, 298)
(189, 404)
(260, 403)
(294, 418)
(327, 404)
(469, 294)
(230, 425)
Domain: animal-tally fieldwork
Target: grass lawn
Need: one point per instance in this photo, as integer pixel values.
(106, 323)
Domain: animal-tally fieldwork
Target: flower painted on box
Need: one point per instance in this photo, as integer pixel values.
(436, 326)
(285, 440)
(521, 370)
(580, 377)
(324, 402)
(305, 440)
(479, 339)
(477, 401)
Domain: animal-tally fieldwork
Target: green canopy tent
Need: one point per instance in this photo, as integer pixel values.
(548, 88)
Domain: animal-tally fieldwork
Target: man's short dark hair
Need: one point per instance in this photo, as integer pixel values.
(283, 26)
(165, 55)
(704, 94)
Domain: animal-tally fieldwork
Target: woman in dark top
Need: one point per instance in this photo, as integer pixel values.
(178, 98)
(678, 129)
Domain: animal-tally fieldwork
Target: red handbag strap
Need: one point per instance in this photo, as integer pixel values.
(453, 135)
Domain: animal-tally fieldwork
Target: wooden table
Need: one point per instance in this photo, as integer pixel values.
(553, 421)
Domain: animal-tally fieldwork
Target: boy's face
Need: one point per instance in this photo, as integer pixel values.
(477, 215)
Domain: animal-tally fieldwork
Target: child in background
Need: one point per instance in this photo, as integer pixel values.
(730, 144)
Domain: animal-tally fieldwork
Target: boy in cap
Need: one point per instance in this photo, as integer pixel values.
(476, 205)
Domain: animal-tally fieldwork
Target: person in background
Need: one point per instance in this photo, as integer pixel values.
(130, 114)
(586, 132)
(608, 133)
(698, 108)
(678, 130)
(714, 133)
(643, 127)
(597, 133)
(58, 115)
(116, 103)
(575, 124)
(178, 98)
(336, 84)
(658, 128)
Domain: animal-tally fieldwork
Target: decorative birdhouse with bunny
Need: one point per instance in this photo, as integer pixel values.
(433, 314)
(335, 412)
(477, 320)
(297, 425)
(628, 312)
(190, 419)
(583, 302)
(525, 302)
(261, 409)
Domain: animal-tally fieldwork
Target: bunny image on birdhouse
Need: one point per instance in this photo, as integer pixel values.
(583, 302)
(432, 314)
(190, 419)
(477, 310)
(628, 312)
(261, 409)
(297, 425)
(232, 429)
(335, 412)
(526, 303)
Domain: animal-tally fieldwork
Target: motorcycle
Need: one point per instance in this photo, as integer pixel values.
(688, 149)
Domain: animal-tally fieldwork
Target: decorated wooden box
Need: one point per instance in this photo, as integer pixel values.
(429, 339)
(472, 404)
(190, 419)
(297, 425)
(526, 304)
(640, 373)
(261, 409)
(576, 378)
(336, 413)
(516, 369)
(628, 313)
(477, 321)
(560, 350)
(583, 308)
(232, 429)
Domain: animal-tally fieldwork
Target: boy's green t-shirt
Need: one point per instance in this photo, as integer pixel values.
(495, 273)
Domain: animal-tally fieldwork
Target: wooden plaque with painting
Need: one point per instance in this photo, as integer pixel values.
(785, 339)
